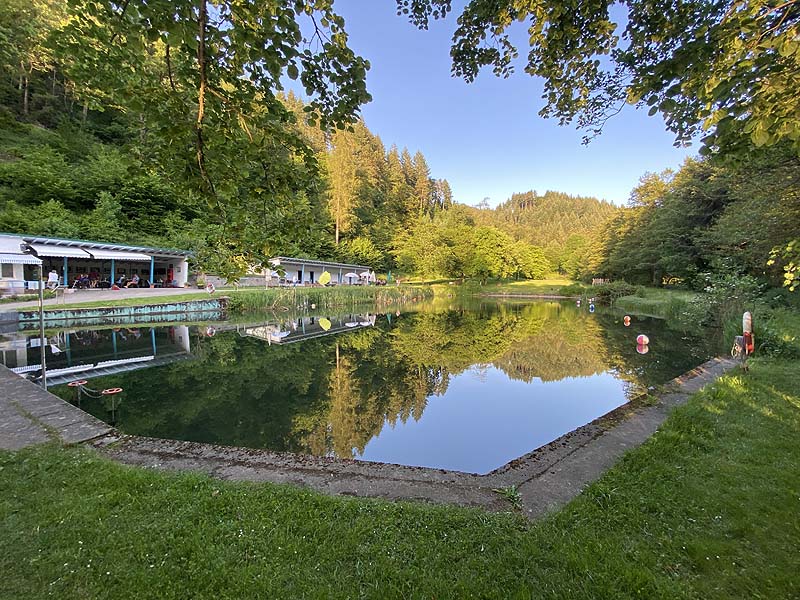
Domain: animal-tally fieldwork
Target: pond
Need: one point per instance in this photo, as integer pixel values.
(460, 386)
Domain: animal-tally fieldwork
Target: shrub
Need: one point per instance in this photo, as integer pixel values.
(608, 292)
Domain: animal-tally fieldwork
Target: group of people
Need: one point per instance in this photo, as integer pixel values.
(92, 280)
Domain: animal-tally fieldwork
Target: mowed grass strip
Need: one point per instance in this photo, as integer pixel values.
(707, 508)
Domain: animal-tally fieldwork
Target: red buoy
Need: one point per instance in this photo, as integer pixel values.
(642, 339)
(78, 383)
(642, 348)
(626, 320)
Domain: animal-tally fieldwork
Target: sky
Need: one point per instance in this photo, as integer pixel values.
(486, 138)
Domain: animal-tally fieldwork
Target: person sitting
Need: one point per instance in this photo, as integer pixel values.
(134, 282)
(120, 280)
(52, 280)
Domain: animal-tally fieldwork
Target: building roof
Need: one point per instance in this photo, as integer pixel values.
(19, 259)
(88, 245)
(308, 261)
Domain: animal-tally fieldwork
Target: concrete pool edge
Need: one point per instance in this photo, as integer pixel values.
(546, 478)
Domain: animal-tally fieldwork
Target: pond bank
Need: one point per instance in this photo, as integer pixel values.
(545, 479)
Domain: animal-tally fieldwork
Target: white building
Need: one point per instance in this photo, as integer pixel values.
(306, 270)
(103, 262)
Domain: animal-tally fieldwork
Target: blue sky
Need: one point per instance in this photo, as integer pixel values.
(486, 137)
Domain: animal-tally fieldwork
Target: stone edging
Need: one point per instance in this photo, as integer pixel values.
(546, 478)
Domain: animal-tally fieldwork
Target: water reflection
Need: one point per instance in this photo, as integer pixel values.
(90, 353)
(457, 387)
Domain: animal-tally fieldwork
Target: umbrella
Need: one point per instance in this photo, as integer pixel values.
(365, 274)
(372, 277)
(351, 274)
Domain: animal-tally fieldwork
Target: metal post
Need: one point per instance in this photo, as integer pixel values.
(153, 339)
(41, 328)
(66, 277)
(152, 269)
(303, 275)
(113, 275)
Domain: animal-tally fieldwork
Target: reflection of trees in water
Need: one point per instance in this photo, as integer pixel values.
(548, 341)
(332, 395)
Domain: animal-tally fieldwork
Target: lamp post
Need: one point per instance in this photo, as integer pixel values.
(26, 248)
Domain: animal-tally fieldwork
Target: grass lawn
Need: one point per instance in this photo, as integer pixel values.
(657, 301)
(138, 300)
(552, 286)
(708, 508)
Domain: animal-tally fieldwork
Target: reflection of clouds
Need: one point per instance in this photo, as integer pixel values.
(479, 373)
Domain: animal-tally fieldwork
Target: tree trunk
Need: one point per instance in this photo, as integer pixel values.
(23, 83)
(201, 95)
(25, 93)
(85, 112)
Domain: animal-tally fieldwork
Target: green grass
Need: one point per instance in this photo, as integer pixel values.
(321, 297)
(26, 297)
(659, 302)
(135, 301)
(256, 299)
(552, 286)
(707, 508)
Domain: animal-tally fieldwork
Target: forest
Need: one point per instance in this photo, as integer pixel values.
(103, 142)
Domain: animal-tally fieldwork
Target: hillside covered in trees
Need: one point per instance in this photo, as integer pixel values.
(79, 159)
(726, 216)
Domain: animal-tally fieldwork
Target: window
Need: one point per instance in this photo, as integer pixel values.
(7, 271)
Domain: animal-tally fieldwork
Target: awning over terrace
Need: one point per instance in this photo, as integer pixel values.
(19, 259)
(53, 250)
(117, 255)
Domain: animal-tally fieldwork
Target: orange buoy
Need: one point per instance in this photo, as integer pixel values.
(78, 383)
(111, 391)
(642, 339)
(626, 320)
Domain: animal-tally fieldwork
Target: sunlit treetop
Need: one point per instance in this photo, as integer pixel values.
(725, 70)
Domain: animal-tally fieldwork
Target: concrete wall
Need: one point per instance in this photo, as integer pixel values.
(195, 310)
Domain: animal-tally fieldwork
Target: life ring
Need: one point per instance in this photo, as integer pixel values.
(210, 332)
(78, 383)
(210, 288)
(111, 391)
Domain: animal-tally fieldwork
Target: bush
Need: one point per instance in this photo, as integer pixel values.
(573, 289)
(608, 292)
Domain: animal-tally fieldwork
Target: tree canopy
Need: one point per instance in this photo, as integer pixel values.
(729, 68)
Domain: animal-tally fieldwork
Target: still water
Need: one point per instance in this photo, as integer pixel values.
(461, 387)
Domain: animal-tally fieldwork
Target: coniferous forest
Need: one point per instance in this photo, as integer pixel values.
(104, 141)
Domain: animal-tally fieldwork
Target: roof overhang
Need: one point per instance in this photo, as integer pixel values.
(60, 251)
(19, 259)
(118, 255)
(281, 260)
